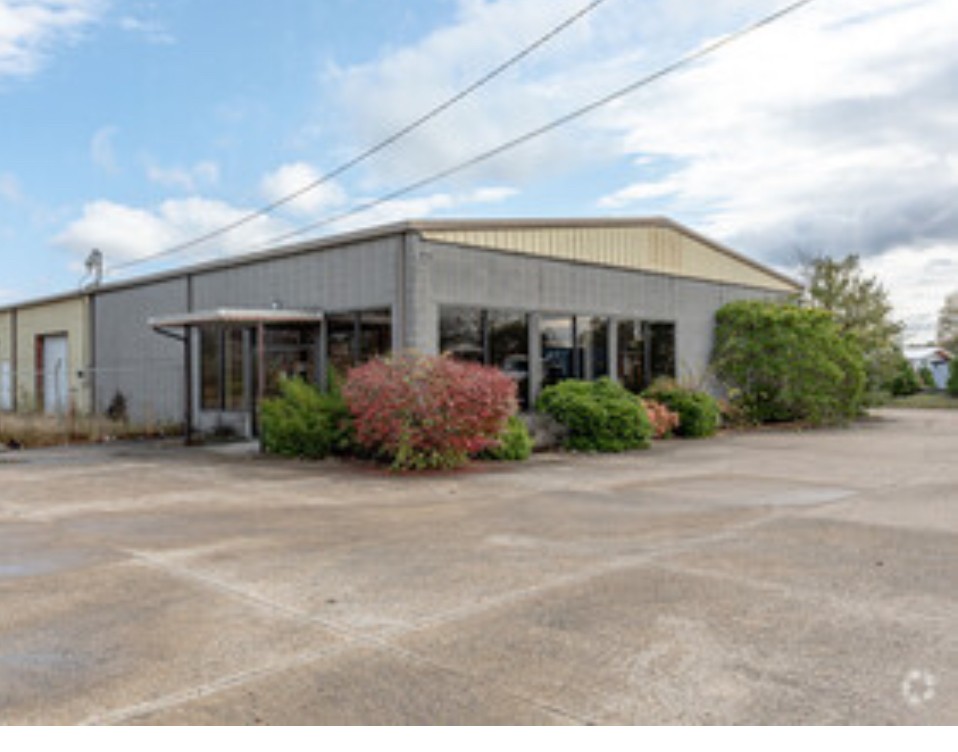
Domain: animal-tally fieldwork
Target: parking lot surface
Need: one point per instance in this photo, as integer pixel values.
(767, 577)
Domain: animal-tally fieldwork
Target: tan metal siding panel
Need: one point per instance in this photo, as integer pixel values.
(69, 317)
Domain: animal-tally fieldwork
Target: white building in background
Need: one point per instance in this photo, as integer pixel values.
(935, 359)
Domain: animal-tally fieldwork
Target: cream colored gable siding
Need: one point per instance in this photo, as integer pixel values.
(62, 317)
(651, 248)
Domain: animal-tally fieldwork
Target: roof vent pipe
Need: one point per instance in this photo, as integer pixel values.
(94, 267)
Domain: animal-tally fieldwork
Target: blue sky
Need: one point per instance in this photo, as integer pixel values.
(132, 126)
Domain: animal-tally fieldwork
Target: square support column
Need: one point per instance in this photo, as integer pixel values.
(535, 359)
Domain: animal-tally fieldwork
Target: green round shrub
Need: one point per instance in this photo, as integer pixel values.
(699, 412)
(600, 416)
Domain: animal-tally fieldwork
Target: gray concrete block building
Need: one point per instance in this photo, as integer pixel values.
(542, 299)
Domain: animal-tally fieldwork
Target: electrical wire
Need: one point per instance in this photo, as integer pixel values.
(374, 149)
(667, 70)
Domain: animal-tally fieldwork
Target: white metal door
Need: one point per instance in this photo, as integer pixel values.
(55, 375)
(6, 386)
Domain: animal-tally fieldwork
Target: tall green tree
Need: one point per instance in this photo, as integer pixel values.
(948, 323)
(862, 311)
(783, 363)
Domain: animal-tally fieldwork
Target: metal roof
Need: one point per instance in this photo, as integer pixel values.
(422, 227)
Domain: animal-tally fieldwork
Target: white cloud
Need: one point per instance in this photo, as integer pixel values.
(150, 29)
(102, 151)
(826, 132)
(125, 233)
(188, 179)
(10, 188)
(382, 96)
(917, 280)
(291, 178)
(31, 29)
(421, 207)
(639, 192)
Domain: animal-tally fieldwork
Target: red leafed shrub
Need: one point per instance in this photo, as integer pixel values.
(664, 421)
(423, 412)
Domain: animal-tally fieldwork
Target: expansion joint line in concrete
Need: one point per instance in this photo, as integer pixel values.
(353, 639)
(386, 644)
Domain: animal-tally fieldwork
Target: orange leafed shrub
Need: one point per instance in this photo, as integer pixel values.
(664, 421)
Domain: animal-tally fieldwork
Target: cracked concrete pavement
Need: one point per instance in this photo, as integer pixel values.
(768, 577)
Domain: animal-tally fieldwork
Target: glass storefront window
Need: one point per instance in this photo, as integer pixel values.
(661, 350)
(234, 395)
(461, 333)
(558, 348)
(210, 359)
(646, 352)
(290, 352)
(222, 366)
(631, 361)
(375, 334)
(355, 337)
(341, 342)
(592, 347)
(508, 339)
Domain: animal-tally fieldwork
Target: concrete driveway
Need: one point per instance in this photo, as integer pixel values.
(762, 578)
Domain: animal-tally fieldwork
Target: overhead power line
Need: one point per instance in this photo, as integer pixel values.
(375, 148)
(435, 177)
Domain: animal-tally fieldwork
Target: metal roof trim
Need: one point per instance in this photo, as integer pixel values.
(235, 316)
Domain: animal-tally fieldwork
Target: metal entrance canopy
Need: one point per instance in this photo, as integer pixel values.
(259, 318)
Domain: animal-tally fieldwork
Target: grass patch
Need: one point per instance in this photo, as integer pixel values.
(926, 401)
(30, 431)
